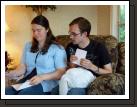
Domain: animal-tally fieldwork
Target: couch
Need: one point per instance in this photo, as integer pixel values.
(117, 53)
(107, 83)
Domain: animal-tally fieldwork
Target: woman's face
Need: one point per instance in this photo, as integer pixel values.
(39, 32)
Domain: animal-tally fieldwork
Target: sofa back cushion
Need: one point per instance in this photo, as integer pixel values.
(110, 43)
(121, 58)
(108, 40)
(63, 40)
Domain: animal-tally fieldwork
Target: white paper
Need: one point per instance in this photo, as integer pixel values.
(22, 85)
(80, 54)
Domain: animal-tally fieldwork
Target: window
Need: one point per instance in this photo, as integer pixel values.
(121, 27)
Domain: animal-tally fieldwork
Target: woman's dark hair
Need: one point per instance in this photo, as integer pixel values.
(84, 24)
(43, 21)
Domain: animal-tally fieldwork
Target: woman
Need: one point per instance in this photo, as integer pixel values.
(44, 56)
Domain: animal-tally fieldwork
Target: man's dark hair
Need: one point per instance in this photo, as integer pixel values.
(84, 24)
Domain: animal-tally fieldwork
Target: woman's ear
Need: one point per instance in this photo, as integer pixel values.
(47, 30)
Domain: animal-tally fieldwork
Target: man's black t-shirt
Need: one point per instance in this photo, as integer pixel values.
(96, 53)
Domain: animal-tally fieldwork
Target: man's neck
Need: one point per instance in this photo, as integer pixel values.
(84, 43)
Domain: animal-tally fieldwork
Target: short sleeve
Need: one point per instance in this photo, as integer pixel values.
(60, 57)
(104, 55)
(23, 57)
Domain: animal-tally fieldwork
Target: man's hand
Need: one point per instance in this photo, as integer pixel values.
(87, 64)
(72, 59)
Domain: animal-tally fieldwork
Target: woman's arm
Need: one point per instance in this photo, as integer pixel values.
(54, 75)
(48, 76)
(60, 65)
(20, 70)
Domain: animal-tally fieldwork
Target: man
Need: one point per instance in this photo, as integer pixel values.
(97, 59)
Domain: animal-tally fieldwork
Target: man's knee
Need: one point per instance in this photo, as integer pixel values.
(77, 91)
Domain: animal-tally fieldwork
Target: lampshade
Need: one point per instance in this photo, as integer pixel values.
(7, 29)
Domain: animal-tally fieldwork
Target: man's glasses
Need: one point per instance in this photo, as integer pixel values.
(73, 34)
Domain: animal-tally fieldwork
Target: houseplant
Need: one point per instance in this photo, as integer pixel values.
(39, 9)
(8, 60)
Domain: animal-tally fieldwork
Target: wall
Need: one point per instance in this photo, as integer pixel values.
(115, 18)
(19, 19)
(61, 18)
(103, 22)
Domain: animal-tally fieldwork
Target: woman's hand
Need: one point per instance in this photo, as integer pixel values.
(11, 74)
(36, 80)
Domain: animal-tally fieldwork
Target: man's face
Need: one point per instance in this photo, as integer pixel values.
(75, 34)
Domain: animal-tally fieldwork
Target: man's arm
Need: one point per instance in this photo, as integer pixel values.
(89, 65)
(70, 63)
(106, 69)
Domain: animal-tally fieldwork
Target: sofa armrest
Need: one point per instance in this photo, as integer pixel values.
(108, 84)
(9, 82)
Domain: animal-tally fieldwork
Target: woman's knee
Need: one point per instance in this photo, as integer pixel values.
(33, 90)
(10, 91)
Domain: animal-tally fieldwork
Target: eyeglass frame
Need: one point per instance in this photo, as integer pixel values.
(74, 34)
